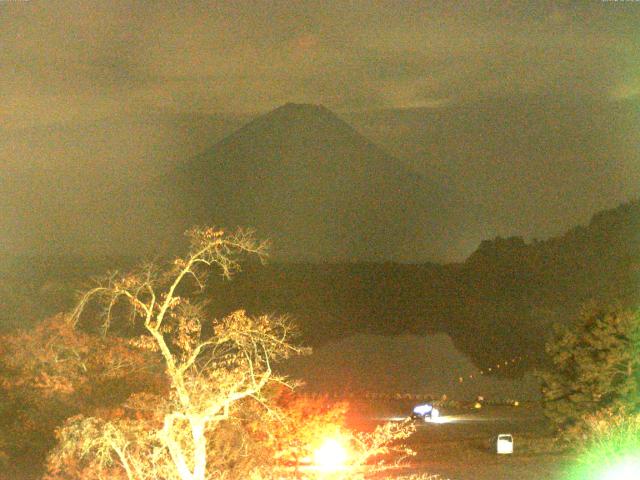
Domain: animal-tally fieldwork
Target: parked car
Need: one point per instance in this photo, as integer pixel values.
(425, 412)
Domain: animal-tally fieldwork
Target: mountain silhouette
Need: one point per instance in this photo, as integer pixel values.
(317, 188)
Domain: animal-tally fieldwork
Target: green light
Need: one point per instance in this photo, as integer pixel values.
(612, 451)
(628, 469)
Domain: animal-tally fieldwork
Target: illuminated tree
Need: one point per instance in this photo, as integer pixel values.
(595, 366)
(303, 424)
(210, 366)
(313, 431)
(54, 371)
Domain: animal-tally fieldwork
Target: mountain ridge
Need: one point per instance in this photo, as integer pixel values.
(508, 294)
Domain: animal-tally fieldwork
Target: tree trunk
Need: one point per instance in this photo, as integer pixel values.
(199, 449)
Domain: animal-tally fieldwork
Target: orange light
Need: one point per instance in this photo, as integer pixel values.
(331, 455)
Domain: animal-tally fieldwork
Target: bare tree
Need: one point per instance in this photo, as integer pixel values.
(210, 364)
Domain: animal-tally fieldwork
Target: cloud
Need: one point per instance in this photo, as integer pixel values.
(62, 58)
(69, 69)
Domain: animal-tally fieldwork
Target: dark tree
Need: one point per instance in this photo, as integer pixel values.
(595, 365)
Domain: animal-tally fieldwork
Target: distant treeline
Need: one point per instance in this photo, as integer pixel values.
(500, 302)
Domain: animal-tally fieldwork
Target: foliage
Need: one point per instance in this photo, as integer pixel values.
(54, 371)
(300, 423)
(210, 365)
(298, 427)
(595, 366)
(368, 453)
(609, 438)
(612, 433)
(384, 442)
(4, 458)
(268, 475)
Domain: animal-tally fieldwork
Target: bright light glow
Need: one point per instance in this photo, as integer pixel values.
(505, 444)
(331, 455)
(443, 420)
(422, 409)
(435, 414)
(628, 469)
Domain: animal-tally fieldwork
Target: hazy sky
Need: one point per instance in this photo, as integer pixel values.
(66, 64)
(66, 60)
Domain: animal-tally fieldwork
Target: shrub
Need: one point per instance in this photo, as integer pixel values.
(608, 443)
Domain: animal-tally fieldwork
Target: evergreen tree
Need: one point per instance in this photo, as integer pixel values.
(594, 365)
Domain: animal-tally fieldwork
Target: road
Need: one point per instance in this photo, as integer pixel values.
(460, 447)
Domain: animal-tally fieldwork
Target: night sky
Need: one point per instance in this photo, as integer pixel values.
(86, 89)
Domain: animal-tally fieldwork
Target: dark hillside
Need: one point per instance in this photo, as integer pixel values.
(499, 303)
